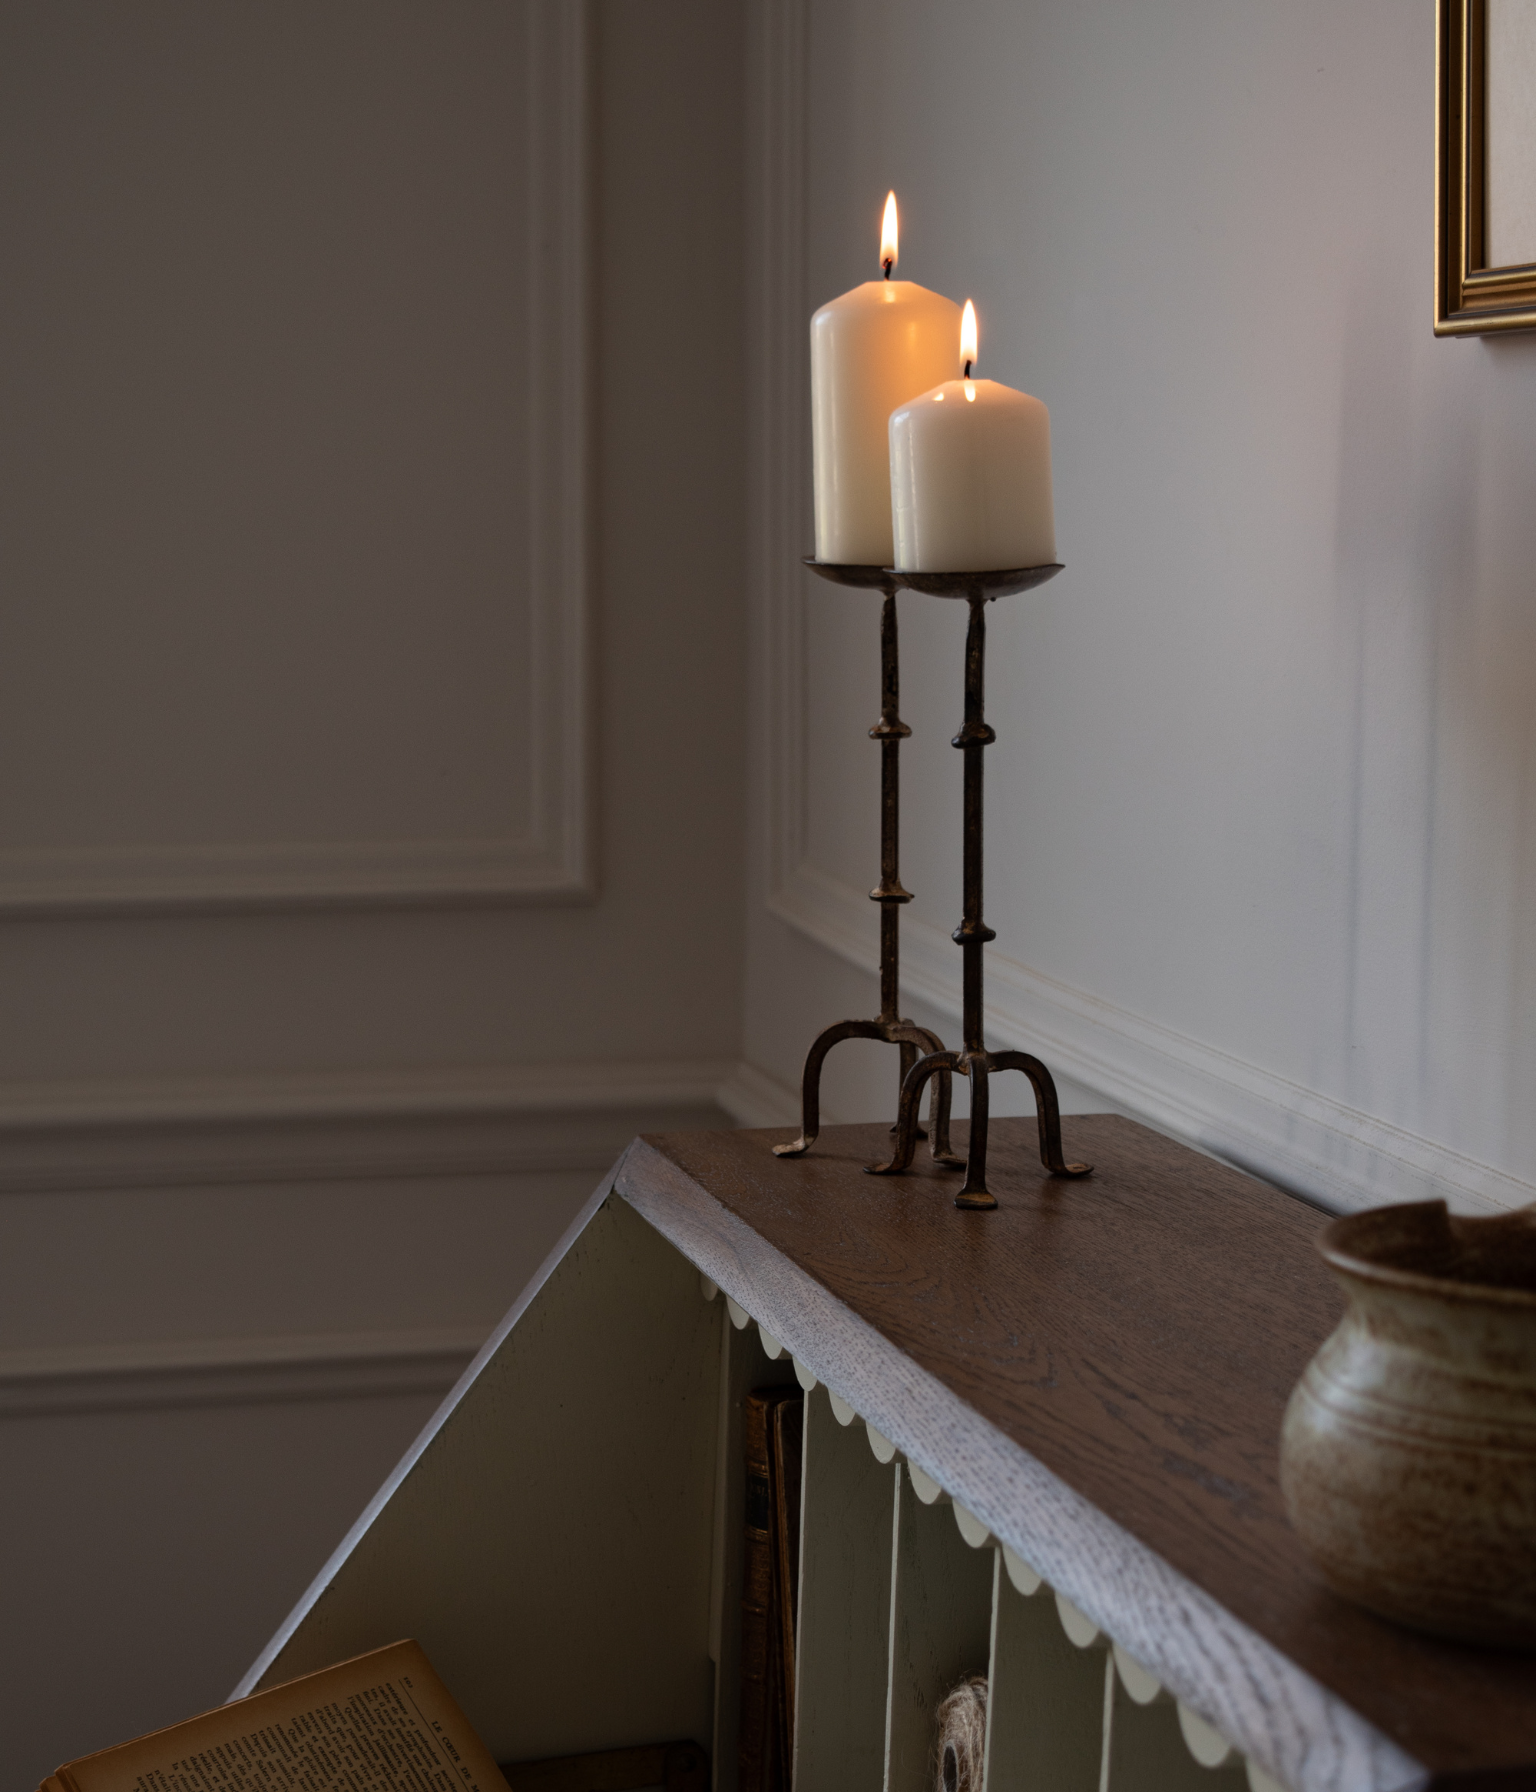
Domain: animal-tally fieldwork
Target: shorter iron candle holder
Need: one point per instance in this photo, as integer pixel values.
(888, 1025)
(973, 1060)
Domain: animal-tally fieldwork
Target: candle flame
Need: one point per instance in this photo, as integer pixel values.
(968, 338)
(888, 235)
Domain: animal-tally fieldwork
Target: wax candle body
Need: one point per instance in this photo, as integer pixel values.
(971, 480)
(871, 350)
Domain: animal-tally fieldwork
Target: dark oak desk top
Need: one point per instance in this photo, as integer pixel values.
(1136, 1335)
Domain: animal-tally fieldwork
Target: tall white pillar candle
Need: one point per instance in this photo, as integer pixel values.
(871, 350)
(971, 476)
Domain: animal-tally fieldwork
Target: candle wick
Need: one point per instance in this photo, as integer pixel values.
(968, 367)
(888, 264)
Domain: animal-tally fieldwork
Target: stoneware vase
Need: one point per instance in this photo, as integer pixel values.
(1408, 1451)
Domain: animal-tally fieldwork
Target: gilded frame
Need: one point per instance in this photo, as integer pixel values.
(1471, 298)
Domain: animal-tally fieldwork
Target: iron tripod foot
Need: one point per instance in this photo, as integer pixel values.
(974, 1061)
(978, 1067)
(912, 1040)
(888, 1025)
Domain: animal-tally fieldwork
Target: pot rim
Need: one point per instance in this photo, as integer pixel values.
(1333, 1245)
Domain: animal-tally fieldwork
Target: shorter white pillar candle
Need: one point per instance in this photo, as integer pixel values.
(971, 477)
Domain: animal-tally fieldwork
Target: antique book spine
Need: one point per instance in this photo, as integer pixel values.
(753, 1744)
(788, 1432)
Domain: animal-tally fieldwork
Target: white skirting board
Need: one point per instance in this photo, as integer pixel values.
(1295, 1137)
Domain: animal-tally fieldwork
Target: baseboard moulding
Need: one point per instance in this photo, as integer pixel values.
(1300, 1139)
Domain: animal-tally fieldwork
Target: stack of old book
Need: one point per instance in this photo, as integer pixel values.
(774, 1430)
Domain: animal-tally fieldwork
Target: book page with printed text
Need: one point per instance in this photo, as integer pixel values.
(382, 1722)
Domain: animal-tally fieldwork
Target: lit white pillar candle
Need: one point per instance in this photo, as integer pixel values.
(971, 475)
(871, 350)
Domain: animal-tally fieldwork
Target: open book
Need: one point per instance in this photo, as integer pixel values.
(382, 1722)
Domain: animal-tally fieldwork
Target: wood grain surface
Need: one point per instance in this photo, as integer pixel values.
(1098, 1370)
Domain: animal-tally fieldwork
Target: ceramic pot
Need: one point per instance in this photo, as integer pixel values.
(1408, 1452)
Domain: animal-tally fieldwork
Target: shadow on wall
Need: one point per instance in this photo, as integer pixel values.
(1436, 632)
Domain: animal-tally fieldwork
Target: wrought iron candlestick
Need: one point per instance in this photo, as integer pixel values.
(888, 1025)
(974, 1060)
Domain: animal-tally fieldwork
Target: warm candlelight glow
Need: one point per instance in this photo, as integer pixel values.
(968, 339)
(888, 235)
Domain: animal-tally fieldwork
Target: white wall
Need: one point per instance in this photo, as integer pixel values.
(371, 752)
(281, 1127)
(1261, 824)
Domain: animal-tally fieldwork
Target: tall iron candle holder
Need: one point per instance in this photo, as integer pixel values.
(973, 1060)
(888, 1025)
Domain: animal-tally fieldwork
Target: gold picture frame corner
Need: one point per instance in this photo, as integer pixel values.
(1472, 297)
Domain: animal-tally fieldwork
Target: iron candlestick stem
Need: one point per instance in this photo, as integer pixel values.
(974, 1061)
(888, 1026)
(890, 731)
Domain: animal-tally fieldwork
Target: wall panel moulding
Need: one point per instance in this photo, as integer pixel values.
(1302, 1139)
(476, 1120)
(221, 1372)
(515, 826)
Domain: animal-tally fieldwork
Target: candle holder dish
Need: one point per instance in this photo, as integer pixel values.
(888, 1025)
(973, 1060)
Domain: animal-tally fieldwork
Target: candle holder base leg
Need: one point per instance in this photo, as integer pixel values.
(942, 1064)
(1047, 1110)
(975, 1194)
(913, 1040)
(978, 1067)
